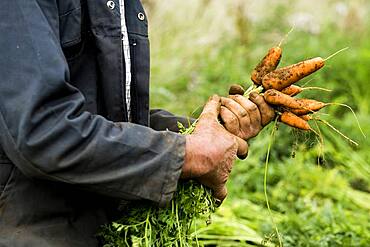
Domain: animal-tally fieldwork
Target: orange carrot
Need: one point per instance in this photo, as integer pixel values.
(267, 64)
(306, 117)
(308, 106)
(292, 90)
(296, 106)
(312, 104)
(284, 77)
(294, 121)
(277, 98)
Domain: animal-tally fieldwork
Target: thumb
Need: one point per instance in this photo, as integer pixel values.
(212, 109)
(242, 148)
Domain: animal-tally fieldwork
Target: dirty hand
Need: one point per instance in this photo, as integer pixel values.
(245, 117)
(211, 151)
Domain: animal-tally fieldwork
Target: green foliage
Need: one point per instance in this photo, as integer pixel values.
(144, 224)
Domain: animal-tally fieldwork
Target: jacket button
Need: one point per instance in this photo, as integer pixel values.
(111, 4)
(141, 16)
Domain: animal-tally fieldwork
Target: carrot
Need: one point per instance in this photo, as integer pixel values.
(286, 76)
(308, 106)
(267, 64)
(277, 98)
(292, 90)
(296, 106)
(312, 104)
(306, 117)
(294, 121)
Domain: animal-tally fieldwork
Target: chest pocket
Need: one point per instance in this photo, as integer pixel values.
(137, 22)
(6, 169)
(72, 28)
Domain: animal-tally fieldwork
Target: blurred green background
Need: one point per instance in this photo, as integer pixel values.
(319, 192)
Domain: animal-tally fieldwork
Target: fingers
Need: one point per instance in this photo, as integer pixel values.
(242, 148)
(267, 112)
(231, 122)
(250, 107)
(234, 107)
(236, 89)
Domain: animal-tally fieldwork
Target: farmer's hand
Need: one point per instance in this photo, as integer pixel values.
(245, 117)
(211, 150)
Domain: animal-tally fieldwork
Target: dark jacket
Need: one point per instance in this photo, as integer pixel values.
(67, 152)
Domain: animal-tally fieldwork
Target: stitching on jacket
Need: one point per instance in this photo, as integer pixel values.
(69, 12)
(72, 42)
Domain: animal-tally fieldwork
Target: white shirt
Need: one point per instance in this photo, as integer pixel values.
(126, 54)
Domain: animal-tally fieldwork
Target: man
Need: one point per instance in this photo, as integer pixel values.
(76, 133)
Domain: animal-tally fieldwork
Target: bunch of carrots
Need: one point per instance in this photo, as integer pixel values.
(277, 86)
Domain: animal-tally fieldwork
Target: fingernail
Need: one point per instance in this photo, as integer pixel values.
(215, 97)
(243, 157)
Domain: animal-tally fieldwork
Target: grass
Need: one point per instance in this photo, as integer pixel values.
(319, 194)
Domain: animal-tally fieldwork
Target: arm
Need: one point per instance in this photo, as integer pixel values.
(43, 131)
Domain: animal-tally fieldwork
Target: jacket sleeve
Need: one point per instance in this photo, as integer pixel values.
(44, 132)
(164, 120)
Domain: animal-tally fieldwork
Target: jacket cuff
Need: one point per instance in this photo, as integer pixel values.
(173, 171)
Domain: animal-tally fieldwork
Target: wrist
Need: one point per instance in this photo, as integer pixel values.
(187, 167)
